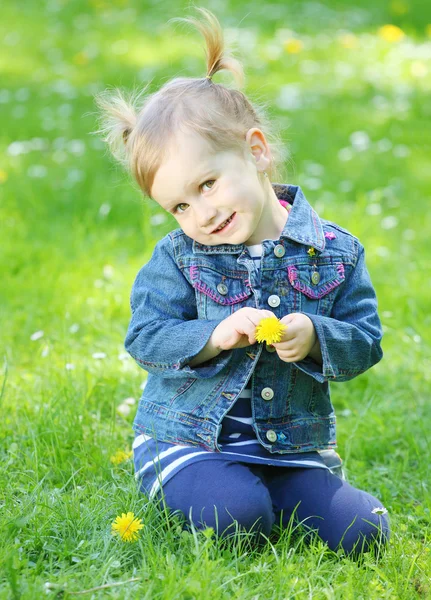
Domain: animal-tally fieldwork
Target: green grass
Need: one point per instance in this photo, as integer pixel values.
(75, 231)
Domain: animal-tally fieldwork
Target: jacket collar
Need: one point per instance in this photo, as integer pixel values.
(302, 226)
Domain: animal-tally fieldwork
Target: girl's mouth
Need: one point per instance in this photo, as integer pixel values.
(226, 225)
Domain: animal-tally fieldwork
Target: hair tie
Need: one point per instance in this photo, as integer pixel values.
(208, 77)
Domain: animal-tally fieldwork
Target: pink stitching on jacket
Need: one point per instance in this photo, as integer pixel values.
(305, 289)
(340, 269)
(292, 273)
(193, 272)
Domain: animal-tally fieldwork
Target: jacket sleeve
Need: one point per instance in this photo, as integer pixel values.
(350, 338)
(165, 333)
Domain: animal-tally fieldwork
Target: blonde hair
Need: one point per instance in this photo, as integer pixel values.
(138, 131)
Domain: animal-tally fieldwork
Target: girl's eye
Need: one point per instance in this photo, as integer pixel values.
(185, 204)
(209, 181)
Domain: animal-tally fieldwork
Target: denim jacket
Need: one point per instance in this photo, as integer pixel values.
(186, 289)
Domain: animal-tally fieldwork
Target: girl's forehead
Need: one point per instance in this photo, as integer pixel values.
(189, 141)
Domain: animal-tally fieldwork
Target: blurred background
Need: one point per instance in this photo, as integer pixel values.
(348, 87)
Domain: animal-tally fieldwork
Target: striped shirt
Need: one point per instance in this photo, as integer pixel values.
(156, 462)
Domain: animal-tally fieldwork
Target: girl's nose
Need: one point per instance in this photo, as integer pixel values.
(206, 216)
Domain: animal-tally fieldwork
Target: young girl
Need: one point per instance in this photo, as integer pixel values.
(229, 431)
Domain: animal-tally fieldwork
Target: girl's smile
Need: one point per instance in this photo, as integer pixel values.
(226, 225)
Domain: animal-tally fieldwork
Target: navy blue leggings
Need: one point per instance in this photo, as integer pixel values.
(215, 493)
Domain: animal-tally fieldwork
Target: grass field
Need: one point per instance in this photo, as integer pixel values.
(352, 103)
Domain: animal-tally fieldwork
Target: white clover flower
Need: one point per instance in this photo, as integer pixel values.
(389, 222)
(36, 335)
(345, 154)
(360, 140)
(104, 210)
(124, 409)
(108, 271)
(379, 510)
(157, 219)
(99, 355)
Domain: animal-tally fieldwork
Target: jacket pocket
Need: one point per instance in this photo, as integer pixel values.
(317, 285)
(218, 295)
(167, 391)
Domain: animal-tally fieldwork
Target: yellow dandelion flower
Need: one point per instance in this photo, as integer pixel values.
(120, 456)
(311, 252)
(391, 33)
(293, 46)
(3, 176)
(127, 527)
(270, 330)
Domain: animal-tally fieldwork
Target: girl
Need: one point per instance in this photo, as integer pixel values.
(229, 431)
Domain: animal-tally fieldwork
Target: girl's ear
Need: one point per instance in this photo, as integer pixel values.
(256, 140)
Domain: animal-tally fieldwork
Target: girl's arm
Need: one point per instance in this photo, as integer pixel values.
(316, 352)
(350, 339)
(210, 350)
(165, 333)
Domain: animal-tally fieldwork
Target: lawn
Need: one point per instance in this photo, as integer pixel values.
(351, 101)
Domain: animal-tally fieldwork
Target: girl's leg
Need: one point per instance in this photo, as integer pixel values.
(212, 493)
(342, 515)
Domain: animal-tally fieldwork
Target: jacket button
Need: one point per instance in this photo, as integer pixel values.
(271, 435)
(315, 277)
(273, 300)
(279, 250)
(222, 289)
(267, 393)
(269, 348)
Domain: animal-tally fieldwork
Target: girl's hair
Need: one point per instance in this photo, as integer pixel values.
(138, 131)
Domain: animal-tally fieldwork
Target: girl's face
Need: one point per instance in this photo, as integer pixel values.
(202, 188)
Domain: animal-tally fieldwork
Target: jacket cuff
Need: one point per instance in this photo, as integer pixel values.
(207, 369)
(198, 334)
(322, 372)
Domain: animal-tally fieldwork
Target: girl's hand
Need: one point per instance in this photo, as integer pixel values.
(298, 339)
(238, 330)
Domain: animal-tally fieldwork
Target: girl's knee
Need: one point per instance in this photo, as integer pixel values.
(239, 501)
(249, 513)
(247, 510)
(370, 529)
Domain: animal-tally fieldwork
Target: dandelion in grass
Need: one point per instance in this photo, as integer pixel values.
(270, 330)
(120, 456)
(379, 510)
(293, 46)
(127, 527)
(391, 33)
